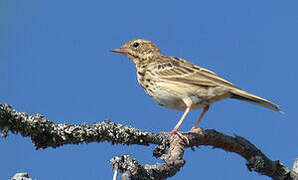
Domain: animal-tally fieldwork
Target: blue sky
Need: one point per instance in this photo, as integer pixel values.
(54, 60)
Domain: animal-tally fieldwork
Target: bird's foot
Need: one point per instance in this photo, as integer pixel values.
(175, 131)
(197, 130)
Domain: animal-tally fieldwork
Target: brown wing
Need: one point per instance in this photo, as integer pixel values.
(177, 69)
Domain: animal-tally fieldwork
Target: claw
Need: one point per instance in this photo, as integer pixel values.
(197, 130)
(175, 131)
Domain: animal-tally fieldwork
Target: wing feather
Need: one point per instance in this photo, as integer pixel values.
(178, 69)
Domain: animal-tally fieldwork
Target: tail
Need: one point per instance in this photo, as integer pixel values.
(245, 96)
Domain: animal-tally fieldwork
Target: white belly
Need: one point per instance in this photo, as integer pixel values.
(168, 100)
(172, 101)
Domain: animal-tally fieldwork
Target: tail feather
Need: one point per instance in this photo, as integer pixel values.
(245, 96)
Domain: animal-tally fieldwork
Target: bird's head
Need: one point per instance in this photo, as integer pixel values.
(138, 50)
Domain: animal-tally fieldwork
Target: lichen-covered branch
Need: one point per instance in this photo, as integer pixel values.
(45, 133)
(131, 169)
(170, 149)
(21, 176)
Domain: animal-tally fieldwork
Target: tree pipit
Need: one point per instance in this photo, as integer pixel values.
(178, 84)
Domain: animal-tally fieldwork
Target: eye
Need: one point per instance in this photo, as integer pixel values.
(136, 44)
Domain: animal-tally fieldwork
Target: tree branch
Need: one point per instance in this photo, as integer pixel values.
(45, 133)
(21, 176)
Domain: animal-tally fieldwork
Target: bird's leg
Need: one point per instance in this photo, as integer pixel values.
(181, 119)
(188, 103)
(201, 117)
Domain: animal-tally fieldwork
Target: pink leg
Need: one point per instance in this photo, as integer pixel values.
(181, 119)
(201, 117)
(188, 103)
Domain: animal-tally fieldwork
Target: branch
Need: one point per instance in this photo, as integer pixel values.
(45, 133)
(21, 176)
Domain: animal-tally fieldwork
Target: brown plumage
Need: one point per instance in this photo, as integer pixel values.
(178, 84)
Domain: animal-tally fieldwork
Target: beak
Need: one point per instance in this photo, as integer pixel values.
(120, 50)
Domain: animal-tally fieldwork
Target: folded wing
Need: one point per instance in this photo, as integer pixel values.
(177, 69)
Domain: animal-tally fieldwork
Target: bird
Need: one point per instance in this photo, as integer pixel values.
(176, 83)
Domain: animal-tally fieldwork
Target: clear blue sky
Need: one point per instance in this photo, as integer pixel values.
(54, 60)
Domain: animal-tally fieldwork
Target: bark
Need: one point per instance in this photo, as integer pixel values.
(44, 133)
(21, 176)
